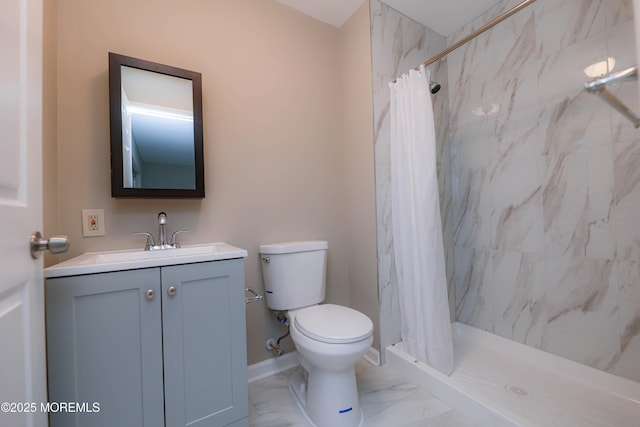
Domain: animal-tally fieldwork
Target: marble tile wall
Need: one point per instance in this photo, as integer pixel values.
(545, 201)
(399, 44)
(540, 184)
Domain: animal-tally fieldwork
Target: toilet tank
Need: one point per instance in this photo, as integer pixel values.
(294, 273)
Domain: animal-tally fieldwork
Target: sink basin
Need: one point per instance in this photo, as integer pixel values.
(100, 262)
(162, 253)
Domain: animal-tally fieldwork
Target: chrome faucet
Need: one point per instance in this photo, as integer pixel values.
(162, 236)
(162, 232)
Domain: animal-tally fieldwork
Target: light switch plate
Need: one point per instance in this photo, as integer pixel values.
(93, 222)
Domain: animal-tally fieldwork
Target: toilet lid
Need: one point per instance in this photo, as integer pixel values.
(333, 324)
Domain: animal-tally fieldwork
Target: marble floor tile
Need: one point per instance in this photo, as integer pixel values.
(386, 401)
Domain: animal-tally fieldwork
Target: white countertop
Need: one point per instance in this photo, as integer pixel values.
(101, 262)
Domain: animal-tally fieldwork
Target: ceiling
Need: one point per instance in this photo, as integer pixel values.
(333, 12)
(442, 16)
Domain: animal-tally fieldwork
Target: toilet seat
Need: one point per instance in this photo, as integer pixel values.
(333, 324)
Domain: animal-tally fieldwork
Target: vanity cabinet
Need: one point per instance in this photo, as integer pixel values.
(162, 346)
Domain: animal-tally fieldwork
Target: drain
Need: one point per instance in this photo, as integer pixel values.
(520, 392)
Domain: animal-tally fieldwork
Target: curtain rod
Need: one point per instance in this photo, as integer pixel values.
(477, 32)
(599, 87)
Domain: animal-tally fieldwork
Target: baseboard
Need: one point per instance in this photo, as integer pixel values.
(272, 366)
(372, 356)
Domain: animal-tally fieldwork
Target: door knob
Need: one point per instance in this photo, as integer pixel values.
(171, 291)
(55, 245)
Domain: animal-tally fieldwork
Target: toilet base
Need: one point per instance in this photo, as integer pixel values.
(327, 399)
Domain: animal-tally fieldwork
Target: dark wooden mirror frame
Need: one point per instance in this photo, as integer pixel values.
(117, 179)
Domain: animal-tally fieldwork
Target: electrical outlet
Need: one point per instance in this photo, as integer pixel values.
(92, 222)
(94, 225)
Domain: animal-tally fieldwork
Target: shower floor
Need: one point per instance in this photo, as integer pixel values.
(498, 382)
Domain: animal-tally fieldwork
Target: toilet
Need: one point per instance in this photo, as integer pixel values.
(329, 338)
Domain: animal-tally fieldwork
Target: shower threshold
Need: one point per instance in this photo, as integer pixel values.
(497, 382)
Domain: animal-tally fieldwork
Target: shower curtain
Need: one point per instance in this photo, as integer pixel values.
(416, 224)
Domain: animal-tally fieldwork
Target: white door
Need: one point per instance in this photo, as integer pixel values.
(22, 342)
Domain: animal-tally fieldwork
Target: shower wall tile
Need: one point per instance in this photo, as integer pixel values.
(573, 122)
(471, 208)
(627, 199)
(399, 44)
(629, 281)
(562, 72)
(470, 147)
(618, 12)
(621, 38)
(474, 287)
(510, 29)
(516, 209)
(582, 305)
(472, 94)
(511, 50)
(626, 365)
(388, 296)
(517, 131)
(578, 195)
(622, 47)
(629, 330)
(546, 184)
(561, 24)
(446, 208)
(520, 284)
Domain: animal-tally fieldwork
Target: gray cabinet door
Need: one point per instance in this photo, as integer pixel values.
(204, 344)
(104, 346)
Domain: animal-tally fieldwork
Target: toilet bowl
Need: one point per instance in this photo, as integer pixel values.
(329, 338)
(326, 388)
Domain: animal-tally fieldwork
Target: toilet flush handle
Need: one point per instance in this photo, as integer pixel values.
(255, 296)
(266, 259)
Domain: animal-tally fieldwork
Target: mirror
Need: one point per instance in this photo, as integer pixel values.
(156, 129)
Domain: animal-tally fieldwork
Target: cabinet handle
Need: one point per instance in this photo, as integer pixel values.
(150, 294)
(171, 291)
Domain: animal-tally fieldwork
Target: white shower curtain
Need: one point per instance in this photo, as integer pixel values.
(416, 223)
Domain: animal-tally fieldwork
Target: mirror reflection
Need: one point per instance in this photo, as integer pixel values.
(156, 129)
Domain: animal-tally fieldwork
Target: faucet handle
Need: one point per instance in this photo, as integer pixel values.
(174, 238)
(150, 241)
